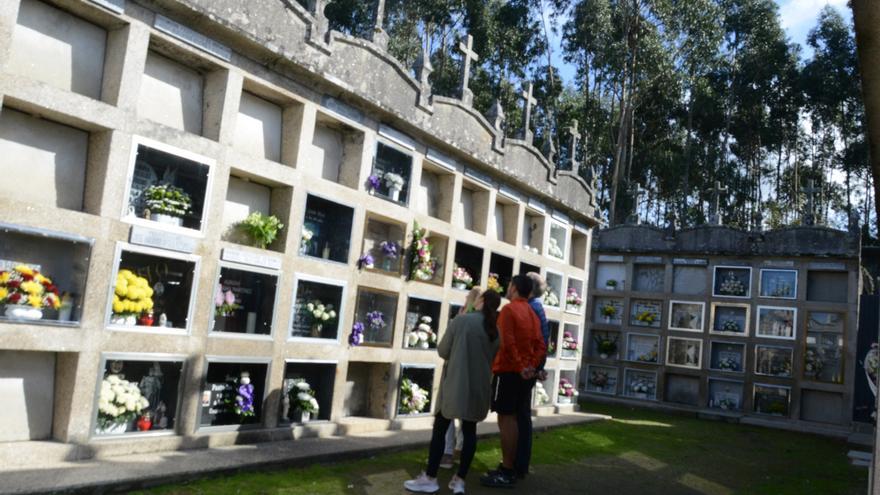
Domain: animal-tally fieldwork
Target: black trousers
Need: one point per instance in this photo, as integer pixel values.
(524, 426)
(438, 444)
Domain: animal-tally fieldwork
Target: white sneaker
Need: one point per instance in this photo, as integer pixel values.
(456, 484)
(422, 484)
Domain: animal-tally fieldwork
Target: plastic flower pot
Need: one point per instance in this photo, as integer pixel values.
(113, 429)
(395, 193)
(460, 285)
(300, 416)
(19, 312)
(166, 219)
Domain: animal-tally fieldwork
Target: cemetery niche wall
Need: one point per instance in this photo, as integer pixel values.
(260, 253)
(759, 327)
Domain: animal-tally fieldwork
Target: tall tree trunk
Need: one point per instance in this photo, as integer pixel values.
(866, 17)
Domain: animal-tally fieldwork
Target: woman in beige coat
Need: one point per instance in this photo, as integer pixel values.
(468, 346)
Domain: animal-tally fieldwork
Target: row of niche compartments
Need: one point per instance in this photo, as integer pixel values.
(822, 359)
(729, 281)
(731, 319)
(722, 394)
(161, 282)
(169, 188)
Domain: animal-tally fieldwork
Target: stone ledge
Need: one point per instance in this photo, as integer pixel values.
(131, 472)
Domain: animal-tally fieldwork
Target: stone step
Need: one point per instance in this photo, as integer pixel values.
(36, 453)
(420, 422)
(860, 458)
(356, 425)
(567, 408)
(541, 411)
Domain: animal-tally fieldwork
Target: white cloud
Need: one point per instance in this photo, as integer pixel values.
(797, 14)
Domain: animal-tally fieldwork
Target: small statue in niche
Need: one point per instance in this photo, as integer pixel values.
(159, 418)
(116, 368)
(285, 399)
(163, 320)
(151, 385)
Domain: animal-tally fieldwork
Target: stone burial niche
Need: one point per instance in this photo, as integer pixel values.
(317, 310)
(248, 199)
(422, 324)
(473, 210)
(326, 231)
(384, 243)
(544, 391)
(336, 152)
(376, 311)
(168, 186)
(232, 394)
(58, 264)
(138, 394)
(307, 391)
(151, 290)
(468, 266)
(415, 391)
(367, 390)
(391, 176)
(502, 268)
(244, 301)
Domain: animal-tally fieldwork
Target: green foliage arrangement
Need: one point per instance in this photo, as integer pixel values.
(261, 229)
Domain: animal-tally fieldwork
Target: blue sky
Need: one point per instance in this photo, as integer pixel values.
(798, 17)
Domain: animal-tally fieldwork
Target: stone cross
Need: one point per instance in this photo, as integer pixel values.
(318, 31)
(468, 54)
(496, 118)
(575, 139)
(423, 69)
(809, 215)
(528, 101)
(715, 208)
(636, 192)
(379, 36)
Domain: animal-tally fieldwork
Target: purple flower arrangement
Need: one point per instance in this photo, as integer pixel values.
(390, 249)
(357, 334)
(376, 319)
(365, 261)
(373, 182)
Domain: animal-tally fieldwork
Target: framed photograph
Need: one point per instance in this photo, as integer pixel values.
(601, 379)
(725, 395)
(772, 400)
(732, 281)
(642, 348)
(608, 310)
(684, 353)
(644, 313)
(779, 284)
(776, 323)
(730, 319)
(728, 357)
(640, 384)
(686, 316)
(773, 361)
(825, 321)
(823, 357)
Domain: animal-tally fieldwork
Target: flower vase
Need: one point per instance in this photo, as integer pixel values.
(563, 399)
(395, 193)
(316, 330)
(130, 320)
(325, 253)
(65, 313)
(300, 416)
(460, 285)
(603, 355)
(19, 312)
(166, 219)
(113, 429)
(607, 320)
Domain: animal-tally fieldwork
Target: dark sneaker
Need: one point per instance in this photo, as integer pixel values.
(499, 478)
(521, 475)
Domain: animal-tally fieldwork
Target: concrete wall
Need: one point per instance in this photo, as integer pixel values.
(49, 159)
(171, 94)
(258, 127)
(59, 49)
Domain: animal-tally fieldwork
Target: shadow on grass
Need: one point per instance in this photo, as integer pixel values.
(638, 452)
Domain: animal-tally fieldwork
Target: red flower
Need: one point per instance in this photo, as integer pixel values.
(14, 297)
(13, 284)
(26, 277)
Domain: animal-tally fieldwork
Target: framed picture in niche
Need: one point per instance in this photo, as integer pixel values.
(780, 284)
(392, 170)
(684, 353)
(725, 395)
(645, 313)
(608, 310)
(643, 348)
(317, 308)
(728, 357)
(601, 379)
(823, 357)
(648, 278)
(640, 384)
(732, 281)
(773, 361)
(244, 300)
(326, 231)
(686, 316)
(730, 319)
(776, 323)
(772, 400)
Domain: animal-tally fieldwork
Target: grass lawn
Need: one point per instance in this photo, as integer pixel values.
(639, 452)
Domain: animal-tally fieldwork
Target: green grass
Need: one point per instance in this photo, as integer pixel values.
(639, 452)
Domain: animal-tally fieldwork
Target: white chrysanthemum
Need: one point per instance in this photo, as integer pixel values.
(304, 397)
(314, 403)
(310, 307)
(427, 319)
(412, 339)
(424, 327)
(303, 385)
(325, 317)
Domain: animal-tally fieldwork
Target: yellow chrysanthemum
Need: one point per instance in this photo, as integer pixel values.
(24, 269)
(32, 288)
(4, 277)
(124, 273)
(3, 293)
(149, 291)
(118, 307)
(35, 301)
(40, 278)
(148, 304)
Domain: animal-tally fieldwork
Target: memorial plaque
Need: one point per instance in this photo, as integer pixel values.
(115, 6)
(772, 400)
(193, 38)
(725, 395)
(162, 240)
(645, 313)
(601, 379)
(776, 323)
(397, 136)
(690, 261)
(686, 316)
(773, 361)
(727, 356)
(342, 109)
(642, 348)
(249, 258)
(685, 353)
